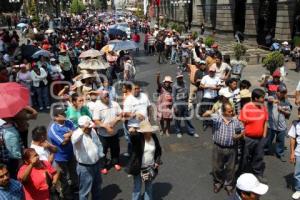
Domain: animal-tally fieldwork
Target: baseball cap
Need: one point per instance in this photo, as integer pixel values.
(58, 110)
(179, 74)
(249, 183)
(85, 121)
(276, 73)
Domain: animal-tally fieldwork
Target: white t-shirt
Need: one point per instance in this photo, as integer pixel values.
(137, 105)
(92, 105)
(298, 87)
(212, 82)
(234, 94)
(41, 151)
(168, 41)
(221, 71)
(294, 132)
(148, 156)
(106, 114)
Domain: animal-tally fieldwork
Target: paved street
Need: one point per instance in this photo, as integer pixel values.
(185, 173)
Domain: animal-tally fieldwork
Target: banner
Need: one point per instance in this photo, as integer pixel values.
(145, 6)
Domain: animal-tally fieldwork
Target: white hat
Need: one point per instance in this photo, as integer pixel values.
(155, 26)
(85, 121)
(52, 59)
(285, 43)
(146, 127)
(168, 79)
(249, 183)
(225, 93)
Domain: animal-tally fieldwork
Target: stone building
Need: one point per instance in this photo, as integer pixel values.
(255, 18)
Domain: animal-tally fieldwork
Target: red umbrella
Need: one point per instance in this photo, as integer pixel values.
(13, 98)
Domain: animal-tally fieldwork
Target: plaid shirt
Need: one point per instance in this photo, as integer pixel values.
(223, 133)
(4, 157)
(13, 191)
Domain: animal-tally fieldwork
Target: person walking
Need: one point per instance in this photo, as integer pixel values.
(88, 151)
(145, 159)
(227, 129)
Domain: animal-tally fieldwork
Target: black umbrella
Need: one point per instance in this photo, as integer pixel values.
(28, 50)
(115, 32)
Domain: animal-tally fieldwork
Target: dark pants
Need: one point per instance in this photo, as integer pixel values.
(24, 138)
(280, 138)
(112, 143)
(182, 112)
(297, 60)
(90, 180)
(68, 179)
(223, 162)
(168, 51)
(161, 57)
(253, 160)
(68, 75)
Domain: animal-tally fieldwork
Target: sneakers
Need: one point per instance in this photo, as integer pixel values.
(48, 107)
(126, 154)
(195, 135)
(41, 108)
(179, 135)
(117, 167)
(104, 171)
(296, 195)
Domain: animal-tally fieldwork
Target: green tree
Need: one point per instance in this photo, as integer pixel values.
(77, 6)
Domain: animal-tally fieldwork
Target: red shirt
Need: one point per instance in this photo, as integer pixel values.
(254, 119)
(36, 187)
(136, 38)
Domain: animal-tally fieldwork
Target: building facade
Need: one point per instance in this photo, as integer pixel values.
(254, 18)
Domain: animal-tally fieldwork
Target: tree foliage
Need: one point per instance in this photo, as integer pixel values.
(273, 61)
(77, 6)
(239, 50)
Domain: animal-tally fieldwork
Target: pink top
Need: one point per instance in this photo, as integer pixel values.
(36, 187)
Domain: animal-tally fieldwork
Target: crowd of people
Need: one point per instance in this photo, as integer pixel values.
(89, 107)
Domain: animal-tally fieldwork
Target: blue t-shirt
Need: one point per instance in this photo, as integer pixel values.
(56, 135)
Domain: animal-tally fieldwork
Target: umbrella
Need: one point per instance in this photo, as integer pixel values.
(41, 52)
(14, 97)
(93, 64)
(114, 31)
(49, 31)
(106, 49)
(21, 25)
(92, 53)
(123, 45)
(28, 50)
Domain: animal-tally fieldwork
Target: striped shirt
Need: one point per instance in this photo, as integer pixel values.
(13, 191)
(223, 133)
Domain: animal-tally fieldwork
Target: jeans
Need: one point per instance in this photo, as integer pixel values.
(89, 181)
(253, 158)
(137, 188)
(42, 96)
(174, 56)
(183, 112)
(127, 137)
(68, 178)
(280, 138)
(297, 174)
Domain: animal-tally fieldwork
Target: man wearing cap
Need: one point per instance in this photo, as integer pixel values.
(226, 131)
(210, 84)
(60, 133)
(197, 72)
(106, 115)
(249, 188)
(180, 95)
(88, 151)
(272, 85)
(279, 109)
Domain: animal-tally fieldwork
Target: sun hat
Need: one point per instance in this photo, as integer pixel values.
(213, 68)
(245, 94)
(85, 121)
(168, 79)
(179, 75)
(146, 127)
(285, 43)
(249, 183)
(87, 75)
(52, 59)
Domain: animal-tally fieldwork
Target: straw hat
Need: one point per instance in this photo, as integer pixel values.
(87, 75)
(146, 127)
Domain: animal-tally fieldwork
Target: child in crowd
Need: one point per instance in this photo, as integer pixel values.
(39, 143)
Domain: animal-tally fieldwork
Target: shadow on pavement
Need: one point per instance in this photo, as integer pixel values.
(161, 190)
(289, 179)
(110, 192)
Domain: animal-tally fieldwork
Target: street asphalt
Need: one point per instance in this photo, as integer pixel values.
(185, 172)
